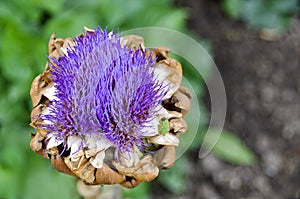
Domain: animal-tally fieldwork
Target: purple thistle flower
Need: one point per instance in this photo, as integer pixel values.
(107, 113)
(103, 89)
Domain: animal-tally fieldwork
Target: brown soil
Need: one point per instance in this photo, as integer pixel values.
(263, 93)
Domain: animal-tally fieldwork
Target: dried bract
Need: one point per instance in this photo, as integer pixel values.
(107, 110)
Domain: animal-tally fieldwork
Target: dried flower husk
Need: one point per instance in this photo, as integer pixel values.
(128, 172)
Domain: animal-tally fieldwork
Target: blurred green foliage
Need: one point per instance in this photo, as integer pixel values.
(229, 148)
(140, 192)
(274, 14)
(25, 28)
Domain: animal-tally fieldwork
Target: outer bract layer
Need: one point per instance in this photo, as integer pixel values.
(107, 110)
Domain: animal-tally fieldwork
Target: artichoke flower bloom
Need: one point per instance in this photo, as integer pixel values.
(107, 110)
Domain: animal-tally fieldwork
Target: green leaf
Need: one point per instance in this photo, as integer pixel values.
(275, 14)
(169, 19)
(6, 14)
(140, 192)
(8, 183)
(71, 23)
(42, 181)
(232, 7)
(13, 53)
(284, 7)
(174, 179)
(229, 148)
(116, 16)
(52, 6)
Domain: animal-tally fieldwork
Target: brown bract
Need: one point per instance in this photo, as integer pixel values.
(112, 171)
